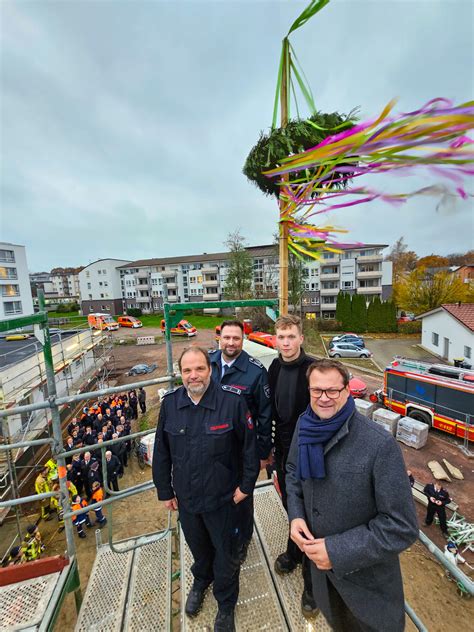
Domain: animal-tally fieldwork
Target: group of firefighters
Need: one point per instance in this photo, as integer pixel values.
(99, 422)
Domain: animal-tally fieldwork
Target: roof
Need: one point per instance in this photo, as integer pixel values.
(255, 251)
(99, 260)
(462, 312)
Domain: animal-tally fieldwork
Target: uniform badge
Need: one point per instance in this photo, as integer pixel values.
(266, 390)
(248, 416)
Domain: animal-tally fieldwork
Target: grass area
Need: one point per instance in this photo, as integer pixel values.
(73, 319)
(313, 343)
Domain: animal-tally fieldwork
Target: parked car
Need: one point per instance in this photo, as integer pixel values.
(357, 387)
(352, 338)
(102, 321)
(348, 350)
(260, 337)
(129, 321)
(140, 369)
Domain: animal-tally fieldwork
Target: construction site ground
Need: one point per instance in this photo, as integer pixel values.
(433, 597)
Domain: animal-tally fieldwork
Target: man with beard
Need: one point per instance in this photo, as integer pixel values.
(246, 376)
(205, 463)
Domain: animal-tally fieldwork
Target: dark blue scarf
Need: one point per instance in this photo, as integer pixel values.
(313, 435)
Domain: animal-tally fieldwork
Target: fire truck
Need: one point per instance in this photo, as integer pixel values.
(439, 395)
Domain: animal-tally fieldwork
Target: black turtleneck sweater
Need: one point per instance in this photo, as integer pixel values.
(289, 396)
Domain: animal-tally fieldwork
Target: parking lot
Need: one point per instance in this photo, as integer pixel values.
(384, 350)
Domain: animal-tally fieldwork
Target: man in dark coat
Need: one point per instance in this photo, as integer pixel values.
(205, 462)
(233, 366)
(438, 498)
(289, 398)
(351, 507)
(114, 468)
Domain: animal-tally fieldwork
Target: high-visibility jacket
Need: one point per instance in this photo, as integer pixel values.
(41, 485)
(77, 506)
(53, 469)
(72, 489)
(98, 495)
(32, 548)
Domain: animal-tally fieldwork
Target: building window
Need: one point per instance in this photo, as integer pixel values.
(88, 273)
(467, 352)
(347, 284)
(104, 271)
(315, 300)
(7, 256)
(8, 273)
(12, 307)
(435, 339)
(10, 290)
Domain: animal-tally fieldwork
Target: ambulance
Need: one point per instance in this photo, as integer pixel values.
(102, 321)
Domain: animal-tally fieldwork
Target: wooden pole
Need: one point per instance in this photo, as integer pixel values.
(283, 226)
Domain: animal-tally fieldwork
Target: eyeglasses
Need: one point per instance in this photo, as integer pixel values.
(332, 393)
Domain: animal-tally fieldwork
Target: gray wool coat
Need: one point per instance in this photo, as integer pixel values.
(364, 509)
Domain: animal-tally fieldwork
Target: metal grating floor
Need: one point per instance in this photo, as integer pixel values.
(22, 605)
(272, 527)
(266, 600)
(258, 607)
(129, 591)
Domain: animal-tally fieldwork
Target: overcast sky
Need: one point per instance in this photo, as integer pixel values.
(125, 125)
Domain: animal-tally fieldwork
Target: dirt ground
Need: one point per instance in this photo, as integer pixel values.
(428, 591)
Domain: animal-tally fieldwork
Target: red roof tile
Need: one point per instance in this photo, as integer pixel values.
(463, 312)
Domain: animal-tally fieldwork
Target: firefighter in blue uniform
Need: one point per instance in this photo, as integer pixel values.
(233, 366)
(205, 463)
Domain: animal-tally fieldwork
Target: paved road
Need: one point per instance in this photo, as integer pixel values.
(12, 351)
(384, 350)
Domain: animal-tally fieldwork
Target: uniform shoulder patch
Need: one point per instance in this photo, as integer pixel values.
(266, 390)
(169, 392)
(231, 389)
(256, 362)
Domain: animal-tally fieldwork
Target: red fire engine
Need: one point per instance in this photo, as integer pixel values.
(436, 394)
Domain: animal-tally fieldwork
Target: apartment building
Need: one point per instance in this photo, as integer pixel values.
(65, 282)
(147, 283)
(360, 270)
(15, 290)
(100, 288)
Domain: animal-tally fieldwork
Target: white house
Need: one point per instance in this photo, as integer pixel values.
(100, 286)
(15, 289)
(448, 331)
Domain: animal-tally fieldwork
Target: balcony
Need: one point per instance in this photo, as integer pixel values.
(210, 283)
(169, 272)
(210, 270)
(171, 286)
(214, 296)
(329, 291)
(369, 258)
(331, 260)
(329, 276)
(171, 299)
(376, 289)
(369, 275)
(142, 299)
(142, 283)
(328, 306)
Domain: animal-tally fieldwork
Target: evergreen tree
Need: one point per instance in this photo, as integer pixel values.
(374, 315)
(358, 314)
(343, 310)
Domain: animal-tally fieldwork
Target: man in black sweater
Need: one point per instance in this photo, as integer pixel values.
(289, 398)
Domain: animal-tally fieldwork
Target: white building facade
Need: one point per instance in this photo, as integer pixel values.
(100, 288)
(15, 289)
(448, 331)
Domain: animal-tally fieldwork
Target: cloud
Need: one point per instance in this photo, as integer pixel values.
(125, 126)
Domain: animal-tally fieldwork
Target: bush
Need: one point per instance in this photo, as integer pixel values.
(328, 324)
(411, 327)
(134, 311)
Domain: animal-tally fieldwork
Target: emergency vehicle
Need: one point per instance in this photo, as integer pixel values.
(129, 321)
(439, 395)
(183, 328)
(260, 337)
(102, 321)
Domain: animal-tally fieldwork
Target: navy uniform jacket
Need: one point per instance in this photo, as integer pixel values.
(204, 452)
(250, 379)
(441, 495)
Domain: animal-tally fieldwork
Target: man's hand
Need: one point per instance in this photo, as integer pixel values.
(433, 500)
(300, 534)
(317, 553)
(239, 496)
(171, 505)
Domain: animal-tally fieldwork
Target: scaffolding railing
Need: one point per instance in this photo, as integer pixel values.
(53, 403)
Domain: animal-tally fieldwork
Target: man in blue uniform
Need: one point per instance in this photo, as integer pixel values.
(233, 366)
(205, 462)
(438, 498)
